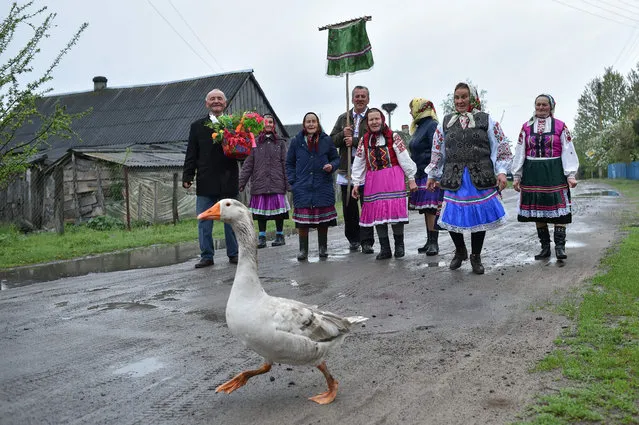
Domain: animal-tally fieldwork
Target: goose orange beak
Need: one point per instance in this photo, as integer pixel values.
(212, 213)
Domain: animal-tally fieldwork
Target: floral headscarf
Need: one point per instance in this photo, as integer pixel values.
(421, 108)
(474, 105)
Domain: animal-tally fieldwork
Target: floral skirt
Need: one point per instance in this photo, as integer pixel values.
(384, 197)
(269, 207)
(545, 195)
(469, 209)
(423, 199)
(315, 217)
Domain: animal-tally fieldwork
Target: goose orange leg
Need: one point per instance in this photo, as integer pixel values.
(328, 396)
(241, 378)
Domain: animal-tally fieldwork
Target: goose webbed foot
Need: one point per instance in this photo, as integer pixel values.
(241, 379)
(327, 396)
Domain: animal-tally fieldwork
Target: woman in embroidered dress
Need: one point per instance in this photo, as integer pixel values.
(470, 159)
(265, 167)
(544, 170)
(425, 201)
(383, 163)
(310, 162)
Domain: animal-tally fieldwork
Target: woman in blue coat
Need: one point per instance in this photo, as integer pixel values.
(425, 201)
(310, 162)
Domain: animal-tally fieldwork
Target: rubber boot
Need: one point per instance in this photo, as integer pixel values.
(475, 263)
(460, 255)
(433, 248)
(385, 250)
(303, 254)
(261, 242)
(399, 246)
(279, 240)
(560, 242)
(322, 241)
(544, 238)
(423, 249)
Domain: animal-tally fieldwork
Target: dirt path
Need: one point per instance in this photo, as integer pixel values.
(441, 347)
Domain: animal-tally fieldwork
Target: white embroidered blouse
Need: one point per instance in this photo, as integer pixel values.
(358, 172)
(569, 158)
(500, 153)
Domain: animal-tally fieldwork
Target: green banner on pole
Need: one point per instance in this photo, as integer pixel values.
(349, 49)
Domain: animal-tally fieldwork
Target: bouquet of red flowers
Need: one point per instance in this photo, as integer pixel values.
(237, 133)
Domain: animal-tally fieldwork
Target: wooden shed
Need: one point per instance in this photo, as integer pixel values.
(137, 134)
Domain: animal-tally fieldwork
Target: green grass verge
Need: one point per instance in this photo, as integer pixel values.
(17, 249)
(598, 360)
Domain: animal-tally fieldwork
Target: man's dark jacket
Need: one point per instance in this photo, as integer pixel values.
(216, 175)
(338, 139)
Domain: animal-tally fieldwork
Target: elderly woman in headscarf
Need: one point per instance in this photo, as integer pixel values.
(469, 160)
(384, 164)
(422, 130)
(265, 168)
(544, 170)
(311, 161)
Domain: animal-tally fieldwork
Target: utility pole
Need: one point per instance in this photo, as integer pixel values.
(599, 121)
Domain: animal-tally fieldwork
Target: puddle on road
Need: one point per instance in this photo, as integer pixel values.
(154, 256)
(597, 193)
(141, 368)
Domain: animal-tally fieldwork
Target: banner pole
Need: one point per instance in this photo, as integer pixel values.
(349, 150)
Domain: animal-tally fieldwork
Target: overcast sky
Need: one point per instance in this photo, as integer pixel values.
(513, 49)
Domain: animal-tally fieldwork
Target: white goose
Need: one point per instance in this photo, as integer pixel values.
(279, 329)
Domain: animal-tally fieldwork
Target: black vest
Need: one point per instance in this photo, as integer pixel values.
(469, 148)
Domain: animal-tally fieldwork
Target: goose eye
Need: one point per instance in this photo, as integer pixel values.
(228, 204)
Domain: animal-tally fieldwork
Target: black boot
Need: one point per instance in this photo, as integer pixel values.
(475, 263)
(423, 249)
(560, 242)
(303, 254)
(399, 246)
(367, 246)
(544, 238)
(261, 242)
(322, 241)
(279, 240)
(433, 248)
(460, 255)
(385, 249)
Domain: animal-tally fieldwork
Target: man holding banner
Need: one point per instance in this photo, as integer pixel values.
(346, 138)
(349, 51)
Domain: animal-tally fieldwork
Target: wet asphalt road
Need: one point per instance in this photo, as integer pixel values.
(149, 346)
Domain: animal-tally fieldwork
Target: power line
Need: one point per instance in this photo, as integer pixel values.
(610, 11)
(619, 7)
(631, 41)
(594, 14)
(628, 4)
(180, 35)
(196, 36)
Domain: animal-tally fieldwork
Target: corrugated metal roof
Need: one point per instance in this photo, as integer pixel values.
(140, 159)
(140, 114)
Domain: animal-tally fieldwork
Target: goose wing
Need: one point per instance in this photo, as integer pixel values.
(308, 321)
